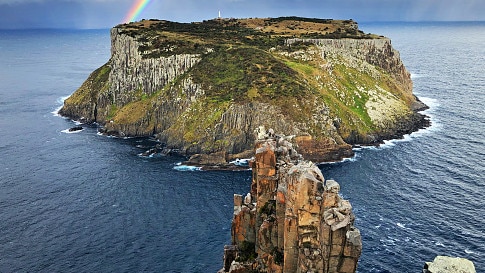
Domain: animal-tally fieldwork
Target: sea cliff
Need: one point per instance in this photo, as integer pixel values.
(204, 88)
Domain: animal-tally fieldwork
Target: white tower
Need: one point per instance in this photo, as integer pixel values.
(219, 15)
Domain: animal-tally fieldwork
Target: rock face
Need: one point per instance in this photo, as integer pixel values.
(293, 220)
(203, 88)
(443, 264)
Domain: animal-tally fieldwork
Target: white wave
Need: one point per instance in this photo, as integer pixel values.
(67, 131)
(346, 159)
(111, 136)
(430, 102)
(435, 126)
(439, 244)
(401, 225)
(56, 111)
(185, 168)
(144, 155)
(59, 101)
(416, 75)
(389, 241)
(351, 159)
(467, 251)
(241, 162)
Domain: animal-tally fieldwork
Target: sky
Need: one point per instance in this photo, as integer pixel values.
(89, 14)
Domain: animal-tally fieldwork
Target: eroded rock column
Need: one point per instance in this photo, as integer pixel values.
(293, 220)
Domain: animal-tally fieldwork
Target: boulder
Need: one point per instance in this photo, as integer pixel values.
(75, 128)
(445, 264)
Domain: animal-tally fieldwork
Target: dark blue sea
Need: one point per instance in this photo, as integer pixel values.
(81, 202)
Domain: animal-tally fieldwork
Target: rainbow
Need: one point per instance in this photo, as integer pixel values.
(135, 10)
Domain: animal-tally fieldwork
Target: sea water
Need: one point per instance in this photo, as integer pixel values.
(81, 202)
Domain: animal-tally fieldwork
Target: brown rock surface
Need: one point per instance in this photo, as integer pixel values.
(293, 220)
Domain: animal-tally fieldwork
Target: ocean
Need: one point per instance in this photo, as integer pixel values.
(81, 202)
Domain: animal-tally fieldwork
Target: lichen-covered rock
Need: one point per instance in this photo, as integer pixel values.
(294, 219)
(444, 264)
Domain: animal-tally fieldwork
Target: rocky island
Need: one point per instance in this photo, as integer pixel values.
(203, 88)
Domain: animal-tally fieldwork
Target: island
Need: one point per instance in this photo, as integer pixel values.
(204, 89)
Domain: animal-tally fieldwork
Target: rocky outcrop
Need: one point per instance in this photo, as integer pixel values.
(293, 220)
(444, 264)
(204, 88)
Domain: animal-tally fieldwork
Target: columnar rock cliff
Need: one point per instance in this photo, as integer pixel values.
(205, 87)
(293, 220)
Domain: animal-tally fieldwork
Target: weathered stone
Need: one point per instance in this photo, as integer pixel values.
(348, 265)
(444, 264)
(243, 226)
(331, 186)
(353, 246)
(218, 158)
(248, 199)
(237, 267)
(265, 240)
(230, 253)
(300, 223)
(330, 200)
(238, 199)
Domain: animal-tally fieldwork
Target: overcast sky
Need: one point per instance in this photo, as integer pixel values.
(107, 13)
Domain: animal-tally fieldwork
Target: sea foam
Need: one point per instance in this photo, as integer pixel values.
(184, 168)
(60, 102)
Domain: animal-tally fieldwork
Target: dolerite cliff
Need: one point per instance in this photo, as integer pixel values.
(203, 88)
(293, 220)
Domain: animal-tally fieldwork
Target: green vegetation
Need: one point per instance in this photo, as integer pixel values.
(268, 208)
(112, 112)
(247, 251)
(278, 255)
(165, 38)
(305, 68)
(96, 83)
(242, 74)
